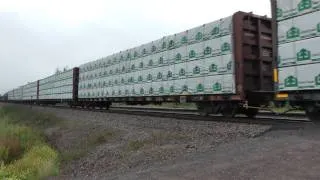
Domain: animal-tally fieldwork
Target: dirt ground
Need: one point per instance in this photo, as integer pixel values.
(115, 146)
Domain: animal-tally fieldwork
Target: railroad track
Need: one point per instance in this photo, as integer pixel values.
(294, 120)
(261, 113)
(265, 118)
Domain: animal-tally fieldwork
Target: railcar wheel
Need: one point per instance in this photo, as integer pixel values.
(230, 110)
(313, 113)
(251, 112)
(204, 109)
(108, 106)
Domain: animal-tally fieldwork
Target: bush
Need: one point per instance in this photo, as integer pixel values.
(15, 139)
(41, 161)
(10, 149)
(23, 151)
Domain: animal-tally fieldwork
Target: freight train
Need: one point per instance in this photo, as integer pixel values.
(4, 98)
(233, 65)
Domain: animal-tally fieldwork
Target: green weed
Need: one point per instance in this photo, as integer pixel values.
(23, 151)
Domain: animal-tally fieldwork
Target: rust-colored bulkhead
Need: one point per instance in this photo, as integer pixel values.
(253, 54)
(75, 84)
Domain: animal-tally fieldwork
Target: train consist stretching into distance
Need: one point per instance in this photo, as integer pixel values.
(232, 65)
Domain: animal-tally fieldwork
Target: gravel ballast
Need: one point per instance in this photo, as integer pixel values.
(97, 145)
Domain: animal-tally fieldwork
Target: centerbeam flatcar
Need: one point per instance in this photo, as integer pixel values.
(229, 66)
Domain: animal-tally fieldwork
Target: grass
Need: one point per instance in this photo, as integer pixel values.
(24, 153)
(285, 108)
(135, 145)
(39, 162)
(22, 115)
(15, 139)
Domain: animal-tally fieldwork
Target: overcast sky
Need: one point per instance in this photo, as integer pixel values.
(37, 36)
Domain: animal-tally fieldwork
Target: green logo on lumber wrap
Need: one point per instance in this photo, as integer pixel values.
(144, 51)
(279, 13)
(200, 88)
(185, 88)
(229, 66)
(160, 60)
(182, 72)
(171, 44)
(207, 51)
(304, 5)
(192, 54)
(172, 89)
(215, 31)
(317, 80)
(213, 68)
(184, 40)
(178, 57)
(318, 27)
(196, 70)
(303, 55)
(291, 81)
(199, 36)
(151, 90)
(150, 63)
(217, 87)
(161, 90)
(154, 48)
(131, 79)
(225, 47)
(141, 91)
(293, 32)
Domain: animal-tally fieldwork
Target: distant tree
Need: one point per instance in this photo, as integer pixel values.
(65, 68)
(57, 71)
